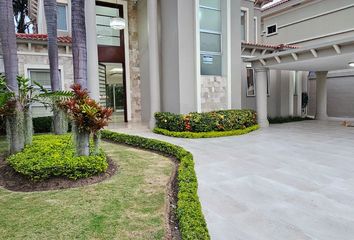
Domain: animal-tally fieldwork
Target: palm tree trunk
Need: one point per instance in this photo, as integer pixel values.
(15, 129)
(50, 9)
(79, 50)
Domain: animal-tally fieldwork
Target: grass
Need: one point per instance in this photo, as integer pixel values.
(130, 205)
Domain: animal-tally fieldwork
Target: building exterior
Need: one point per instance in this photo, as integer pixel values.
(309, 22)
(183, 56)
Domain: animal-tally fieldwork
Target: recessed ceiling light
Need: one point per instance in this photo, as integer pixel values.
(351, 64)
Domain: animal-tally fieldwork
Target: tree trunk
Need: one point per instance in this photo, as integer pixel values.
(82, 141)
(79, 48)
(9, 49)
(28, 126)
(50, 9)
(96, 142)
(60, 122)
(15, 132)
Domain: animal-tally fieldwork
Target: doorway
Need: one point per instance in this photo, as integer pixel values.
(111, 57)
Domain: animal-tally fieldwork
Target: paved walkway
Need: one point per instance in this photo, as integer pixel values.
(289, 182)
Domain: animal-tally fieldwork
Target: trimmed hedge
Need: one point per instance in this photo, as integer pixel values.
(192, 224)
(205, 134)
(40, 125)
(218, 121)
(54, 156)
(279, 120)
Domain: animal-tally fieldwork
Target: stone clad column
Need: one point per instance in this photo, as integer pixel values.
(154, 71)
(261, 96)
(92, 52)
(321, 95)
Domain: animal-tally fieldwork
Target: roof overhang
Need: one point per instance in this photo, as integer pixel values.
(331, 56)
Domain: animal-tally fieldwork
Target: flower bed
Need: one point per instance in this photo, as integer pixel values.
(224, 122)
(191, 220)
(54, 156)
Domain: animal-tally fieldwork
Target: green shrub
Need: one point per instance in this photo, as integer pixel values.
(218, 121)
(212, 134)
(191, 220)
(54, 156)
(42, 124)
(278, 120)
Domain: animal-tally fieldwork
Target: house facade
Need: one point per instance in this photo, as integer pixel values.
(185, 56)
(310, 22)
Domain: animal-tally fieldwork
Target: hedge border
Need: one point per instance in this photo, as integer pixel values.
(205, 134)
(192, 224)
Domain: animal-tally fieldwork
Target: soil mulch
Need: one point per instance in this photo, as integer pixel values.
(11, 180)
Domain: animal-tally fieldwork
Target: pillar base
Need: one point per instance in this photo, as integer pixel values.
(321, 117)
(263, 123)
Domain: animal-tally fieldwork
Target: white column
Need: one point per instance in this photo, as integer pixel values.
(299, 93)
(261, 96)
(154, 71)
(92, 52)
(321, 95)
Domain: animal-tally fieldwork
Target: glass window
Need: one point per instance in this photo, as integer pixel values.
(272, 29)
(255, 29)
(105, 34)
(210, 3)
(62, 19)
(210, 42)
(42, 76)
(210, 64)
(210, 19)
(243, 25)
(251, 86)
(210, 37)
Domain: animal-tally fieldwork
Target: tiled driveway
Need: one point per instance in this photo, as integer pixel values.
(288, 182)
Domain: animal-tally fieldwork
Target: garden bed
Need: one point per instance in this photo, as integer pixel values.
(54, 156)
(206, 125)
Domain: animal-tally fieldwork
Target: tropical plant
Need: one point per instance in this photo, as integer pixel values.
(87, 116)
(14, 122)
(60, 125)
(21, 15)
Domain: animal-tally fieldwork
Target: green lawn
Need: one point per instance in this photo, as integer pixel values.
(130, 205)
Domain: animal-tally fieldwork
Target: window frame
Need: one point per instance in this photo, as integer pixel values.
(219, 33)
(254, 82)
(66, 16)
(247, 23)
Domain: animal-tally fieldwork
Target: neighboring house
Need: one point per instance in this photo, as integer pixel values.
(308, 22)
(186, 55)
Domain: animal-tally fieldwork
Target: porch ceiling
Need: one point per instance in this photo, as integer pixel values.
(322, 57)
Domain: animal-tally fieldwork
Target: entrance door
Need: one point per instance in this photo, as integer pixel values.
(111, 57)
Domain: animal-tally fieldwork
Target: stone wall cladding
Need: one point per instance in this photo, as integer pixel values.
(134, 62)
(37, 56)
(214, 93)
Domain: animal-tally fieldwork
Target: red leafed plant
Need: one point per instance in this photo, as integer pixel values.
(87, 114)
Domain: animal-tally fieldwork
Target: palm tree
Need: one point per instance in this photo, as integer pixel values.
(14, 123)
(79, 42)
(79, 50)
(50, 9)
(21, 13)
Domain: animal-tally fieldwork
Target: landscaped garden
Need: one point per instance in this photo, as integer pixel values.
(131, 204)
